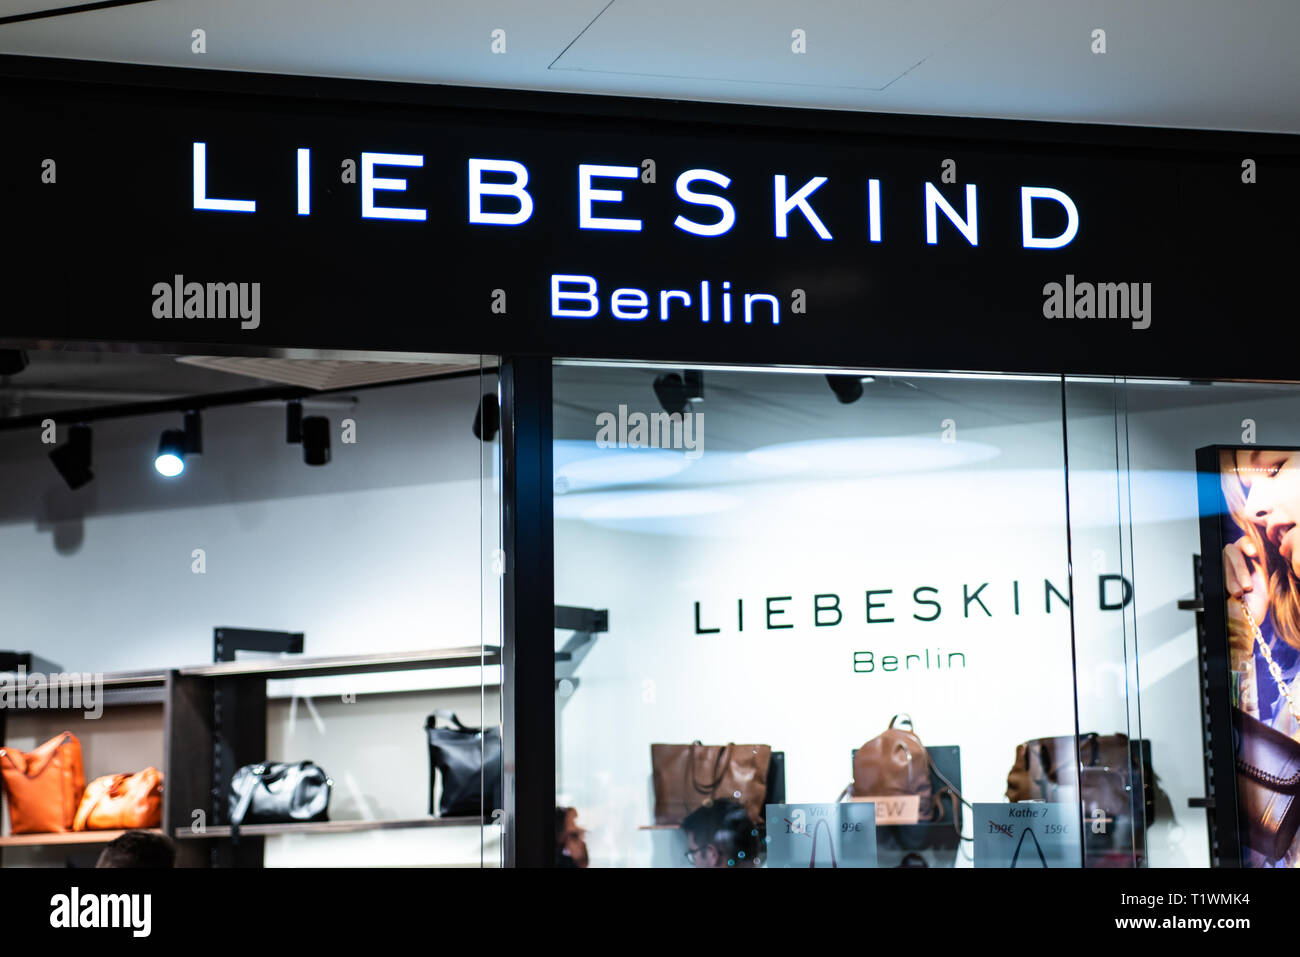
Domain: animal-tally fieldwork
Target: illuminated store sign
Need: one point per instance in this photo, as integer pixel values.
(598, 200)
(340, 215)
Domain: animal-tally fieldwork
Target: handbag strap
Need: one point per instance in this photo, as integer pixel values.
(245, 799)
(954, 793)
(447, 715)
(1028, 832)
(1273, 668)
(830, 836)
(719, 771)
(87, 808)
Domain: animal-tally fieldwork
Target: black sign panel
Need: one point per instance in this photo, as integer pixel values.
(230, 212)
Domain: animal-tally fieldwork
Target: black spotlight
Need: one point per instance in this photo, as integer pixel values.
(72, 458)
(12, 361)
(316, 440)
(693, 380)
(847, 388)
(176, 444)
(170, 460)
(487, 418)
(672, 393)
(293, 422)
(193, 433)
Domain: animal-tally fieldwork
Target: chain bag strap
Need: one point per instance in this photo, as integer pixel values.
(1274, 668)
(1268, 766)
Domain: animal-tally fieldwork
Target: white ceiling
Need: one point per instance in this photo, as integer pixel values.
(1213, 64)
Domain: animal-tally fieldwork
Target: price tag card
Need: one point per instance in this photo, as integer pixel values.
(1027, 834)
(821, 835)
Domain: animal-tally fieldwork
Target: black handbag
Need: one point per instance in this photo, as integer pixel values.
(1268, 768)
(469, 760)
(279, 794)
(1268, 783)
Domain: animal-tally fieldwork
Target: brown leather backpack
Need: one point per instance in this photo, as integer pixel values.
(44, 786)
(894, 763)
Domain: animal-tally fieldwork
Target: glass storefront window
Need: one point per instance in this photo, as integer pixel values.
(310, 574)
(823, 587)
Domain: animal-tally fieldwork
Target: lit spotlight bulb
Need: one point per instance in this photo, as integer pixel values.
(170, 460)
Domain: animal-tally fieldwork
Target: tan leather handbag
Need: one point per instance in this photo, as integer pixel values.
(121, 801)
(689, 776)
(44, 786)
(895, 763)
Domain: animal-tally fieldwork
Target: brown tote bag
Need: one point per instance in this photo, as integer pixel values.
(689, 776)
(44, 786)
(121, 801)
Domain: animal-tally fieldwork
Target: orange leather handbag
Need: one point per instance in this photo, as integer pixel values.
(121, 801)
(44, 786)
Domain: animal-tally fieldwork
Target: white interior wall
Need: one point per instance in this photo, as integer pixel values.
(653, 679)
(378, 551)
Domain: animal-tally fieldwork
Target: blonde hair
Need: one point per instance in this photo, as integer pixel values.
(1283, 588)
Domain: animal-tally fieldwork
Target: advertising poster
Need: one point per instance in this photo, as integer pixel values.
(821, 835)
(1260, 560)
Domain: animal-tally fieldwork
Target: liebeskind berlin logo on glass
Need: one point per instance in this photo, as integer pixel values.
(1098, 300)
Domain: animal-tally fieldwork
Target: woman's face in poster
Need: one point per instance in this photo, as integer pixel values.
(1271, 481)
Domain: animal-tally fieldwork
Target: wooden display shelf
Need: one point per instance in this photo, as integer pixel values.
(467, 656)
(65, 837)
(328, 827)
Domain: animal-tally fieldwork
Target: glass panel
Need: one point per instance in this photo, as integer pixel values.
(1134, 500)
(332, 509)
(789, 564)
(491, 569)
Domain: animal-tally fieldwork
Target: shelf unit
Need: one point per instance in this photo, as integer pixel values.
(118, 689)
(214, 719)
(217, 722)
(330, 827)
(68, 837)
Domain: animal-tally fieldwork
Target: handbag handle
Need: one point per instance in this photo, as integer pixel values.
(450, 716)
(245, 799)
(85, 810)
(1029, 831)
(906, 717)
(719, 771)
(817, 829)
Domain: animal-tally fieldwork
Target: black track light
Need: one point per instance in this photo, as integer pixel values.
(847, 388)
(174, 445)
(293, 422)
(671, 392)
(316, 440)
(693, 379)
(12, 361)
(193, 433)
(487, 418)
(72, 458)
(170, 460)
